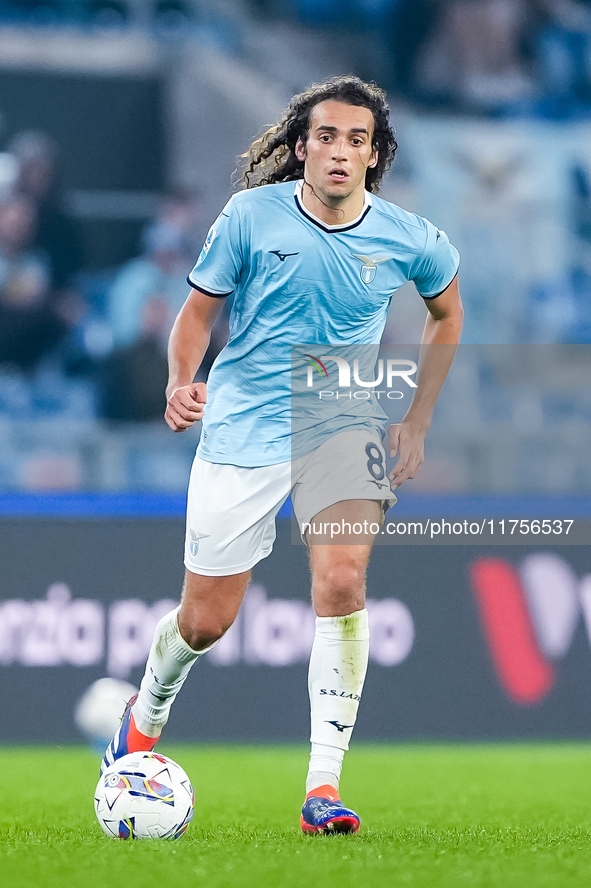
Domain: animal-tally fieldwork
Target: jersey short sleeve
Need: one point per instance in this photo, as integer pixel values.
(217, 270)
(438, 264)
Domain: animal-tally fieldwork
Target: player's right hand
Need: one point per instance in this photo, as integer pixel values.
(185, 406)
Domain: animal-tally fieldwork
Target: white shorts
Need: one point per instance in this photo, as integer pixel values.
(231, 510)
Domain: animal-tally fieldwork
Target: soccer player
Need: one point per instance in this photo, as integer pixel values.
(311, 255)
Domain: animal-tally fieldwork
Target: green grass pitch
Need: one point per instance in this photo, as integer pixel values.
(496, 816)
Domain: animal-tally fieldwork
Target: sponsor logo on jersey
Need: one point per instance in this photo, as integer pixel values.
(369, 266)
(282, 256)
(208, 242)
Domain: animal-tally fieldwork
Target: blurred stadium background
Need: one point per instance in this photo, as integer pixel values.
(120, 125)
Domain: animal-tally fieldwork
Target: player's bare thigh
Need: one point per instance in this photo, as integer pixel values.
(209, 606)
(339, 568)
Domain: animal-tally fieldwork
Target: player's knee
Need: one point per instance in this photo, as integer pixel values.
(341, 584)
(204, 634)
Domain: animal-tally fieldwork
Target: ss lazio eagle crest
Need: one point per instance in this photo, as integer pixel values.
(195, 537)
(370, 266)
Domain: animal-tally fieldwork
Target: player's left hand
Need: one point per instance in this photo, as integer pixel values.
(407, 442)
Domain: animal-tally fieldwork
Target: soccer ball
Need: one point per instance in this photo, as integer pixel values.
(144, 795)
(98, 712)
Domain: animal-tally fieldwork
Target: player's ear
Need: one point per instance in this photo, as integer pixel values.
(374, 160)
(300, 150)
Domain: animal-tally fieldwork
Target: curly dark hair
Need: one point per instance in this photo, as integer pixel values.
(271, 158)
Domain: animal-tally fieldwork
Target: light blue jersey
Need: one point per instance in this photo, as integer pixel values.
(296, 280)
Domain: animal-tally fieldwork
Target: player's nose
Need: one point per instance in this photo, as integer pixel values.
(339, 149)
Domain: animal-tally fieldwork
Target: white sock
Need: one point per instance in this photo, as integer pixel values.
(326, 763)
(335, 680)
(169, 663)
